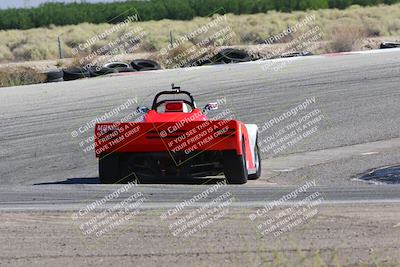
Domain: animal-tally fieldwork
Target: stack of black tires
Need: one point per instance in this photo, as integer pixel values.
(224, 56)
(385, 45)
(75, 73)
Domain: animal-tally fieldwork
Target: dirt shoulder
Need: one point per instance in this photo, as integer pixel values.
(339, 234)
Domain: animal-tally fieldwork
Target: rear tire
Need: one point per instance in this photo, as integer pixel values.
(109, 172)
(235, 169)
(257, 161)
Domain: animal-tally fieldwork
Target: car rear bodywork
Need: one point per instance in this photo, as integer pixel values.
(174, 144)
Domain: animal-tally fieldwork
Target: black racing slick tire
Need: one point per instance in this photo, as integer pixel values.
(145, 64)
(257, 161)
(109, 172)
(235, 169)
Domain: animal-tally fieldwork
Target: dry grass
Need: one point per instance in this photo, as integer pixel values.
(344, 38)
(20, 76)
(318, 258)
(41, 44)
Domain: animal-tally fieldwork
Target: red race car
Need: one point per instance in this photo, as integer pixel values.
(176, 139)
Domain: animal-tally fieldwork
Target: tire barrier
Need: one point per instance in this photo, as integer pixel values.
(54, 76)
(145, 64)
(296, 54)
(231, 55)
(224, 56)
(75, 73)
(385, 45)
(113, 65)
(95, 72)
(125, 69)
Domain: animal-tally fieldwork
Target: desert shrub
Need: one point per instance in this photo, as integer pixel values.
(83, 60)
(149, 45)
(32, 51)
(75, 36)
(177, 56)
(344, 37)
(252, 37)
(20, 76)
(394, 27)
(5, 54)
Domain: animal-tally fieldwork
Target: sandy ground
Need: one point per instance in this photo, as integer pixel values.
(344, 235)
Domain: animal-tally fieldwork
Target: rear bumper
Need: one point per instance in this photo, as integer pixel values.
(173, 137)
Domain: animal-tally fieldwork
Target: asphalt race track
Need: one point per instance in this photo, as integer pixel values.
(358, 94)
(163, 197)
(43, 166)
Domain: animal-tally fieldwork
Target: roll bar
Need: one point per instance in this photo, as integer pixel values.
(176, 90)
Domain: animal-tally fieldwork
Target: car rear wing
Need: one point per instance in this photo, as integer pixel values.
(174, 137)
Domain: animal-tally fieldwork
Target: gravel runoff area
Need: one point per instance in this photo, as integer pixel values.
(337, 234)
